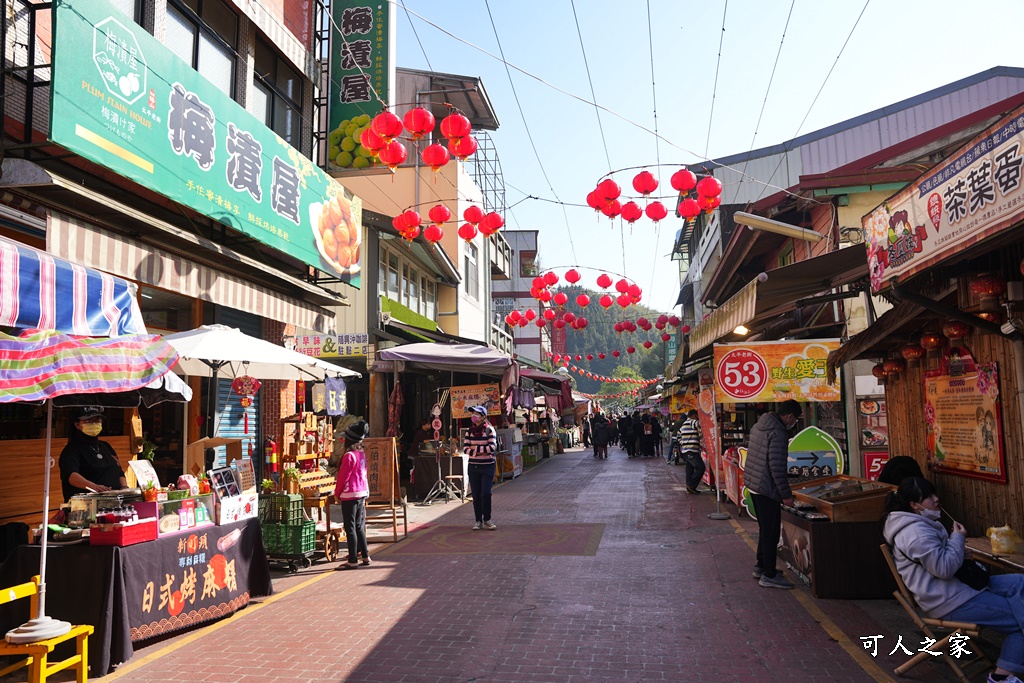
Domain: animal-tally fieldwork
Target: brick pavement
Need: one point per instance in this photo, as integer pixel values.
(667, 597)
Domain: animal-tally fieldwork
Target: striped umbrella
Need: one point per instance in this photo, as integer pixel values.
(46, 365)
(43, 364)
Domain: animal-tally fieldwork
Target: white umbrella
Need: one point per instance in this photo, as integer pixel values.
(221, 351)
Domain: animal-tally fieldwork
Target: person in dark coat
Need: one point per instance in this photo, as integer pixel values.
(600, 432)
(764, 474)
(645, 437)
(86, 463)
(625, 431)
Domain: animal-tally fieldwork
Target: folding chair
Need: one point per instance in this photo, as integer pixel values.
(927, 626)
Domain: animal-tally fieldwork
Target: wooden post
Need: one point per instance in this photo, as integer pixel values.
(378, 404)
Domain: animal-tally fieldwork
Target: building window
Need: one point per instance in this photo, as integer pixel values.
(393, 281)
(410, 288)
(528, 264)
(204, 34)
(786, 255)
(429, 292)
(472, 272)
(128, 7)
(277, 94)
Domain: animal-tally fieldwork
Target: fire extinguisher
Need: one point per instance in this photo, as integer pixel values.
(270, 455)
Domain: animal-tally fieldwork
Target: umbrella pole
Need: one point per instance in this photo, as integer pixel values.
(42, 627)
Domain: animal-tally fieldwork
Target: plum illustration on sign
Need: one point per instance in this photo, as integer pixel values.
(813, 453)
(742, 374)
(119, 59)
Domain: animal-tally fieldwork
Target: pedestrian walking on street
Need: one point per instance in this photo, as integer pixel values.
(585, 428)
(928, 559)
(765, 476)
(601, 433)
(352, 489)
(645, 437)
(658, 431)
(480, 445)
(691, 441)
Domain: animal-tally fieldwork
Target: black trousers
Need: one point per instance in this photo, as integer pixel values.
(353, 515)
(695, 468)
(769, 524)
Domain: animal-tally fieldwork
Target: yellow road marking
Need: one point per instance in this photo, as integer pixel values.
(854, 650)
(135, 664)
(112, 147)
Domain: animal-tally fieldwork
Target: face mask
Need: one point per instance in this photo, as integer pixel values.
(92, 429)
(933, 515)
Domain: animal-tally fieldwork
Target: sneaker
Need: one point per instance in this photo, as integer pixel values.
(690, 489)
(478, 526)
(490, 526)
(777, 581)
(758, 572)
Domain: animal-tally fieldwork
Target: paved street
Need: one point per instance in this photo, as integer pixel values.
(668, 596)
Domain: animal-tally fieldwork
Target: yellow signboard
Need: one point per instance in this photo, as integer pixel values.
(775, 371)
(465, 397)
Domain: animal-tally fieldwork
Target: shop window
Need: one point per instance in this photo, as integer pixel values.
(204, 34)
(277, 96)
(472, 273)
(528, 264)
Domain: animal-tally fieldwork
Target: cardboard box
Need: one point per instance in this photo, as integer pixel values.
(235, 508)
(195, 453)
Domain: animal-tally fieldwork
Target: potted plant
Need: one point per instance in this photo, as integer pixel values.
(148, 449)
(291, 480)
(204, 483)
(267, 486)
(149, 492)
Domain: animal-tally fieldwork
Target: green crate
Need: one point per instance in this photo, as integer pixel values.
(285, 509)
(289, 539)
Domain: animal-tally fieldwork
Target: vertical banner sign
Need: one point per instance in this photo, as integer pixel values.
(758, 372)
(336, 400)
(362, 75)
(708, 419)
(381, 468)
(123, 100)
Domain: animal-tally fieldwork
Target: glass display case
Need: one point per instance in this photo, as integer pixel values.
(174, 516)
(842, 498)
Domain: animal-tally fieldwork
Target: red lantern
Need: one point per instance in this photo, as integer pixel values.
(631, 349)
(371, 141)
(540, 322)
(688, 209)
(435, 156)
(616, 353)
(994, 317)
(593, 200)
(418, 122)
(912, 353)
(618, 327)
(545, 296)
(645, 183)
(932, 342)
(550, 313)
(551, 278)
(634, 291)
(433, 233)
(644, 323)
(581, 322)
(710, 186)
(387, 126)
(462, 148)
(246, 386)
(561, 298)
(622, 286)
(393, 154)
(656, 211)
(515, 315)
(559, 324)
(439, 213)
(662, 320)
(473, 214)
(491, 223)
(572, 276)
(666, 337)
(411, 233)
(529, 314)
(606, 301)
(894, 366)
(601, 356)
(582, 300)
(412, 219)
(708, 204)
(648, 344)
(878, 371)
(684, 180)
(674, 321)
(612, 208)
(604, 281)
(624, 300)
(955, 330)
(608, 190)
(631, 212)
(987, 287)
(455, 125)
(685, 329)
(523, 322)
(467, 231)
(538, 283)
(568, 317)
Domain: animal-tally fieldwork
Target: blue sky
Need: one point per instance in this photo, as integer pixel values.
(899, 49)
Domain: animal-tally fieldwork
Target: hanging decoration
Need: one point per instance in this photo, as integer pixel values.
(491, 223)
(419, 122)
(462, 148)
(435, 156)
(386, 125)
(631, 212)
(439, 214)
(912, 353)
(955, 331)
(246, 387)
(473, 214)
(987, 288)
(656, 211)
(393, 154)
(433, 233)
(645, 183)
(604, 281)
(467, 231)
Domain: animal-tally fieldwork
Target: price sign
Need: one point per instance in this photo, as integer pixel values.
(741, 374)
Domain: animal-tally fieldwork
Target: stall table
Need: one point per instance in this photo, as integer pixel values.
(140, 591)
(981, 548)
(425, 472)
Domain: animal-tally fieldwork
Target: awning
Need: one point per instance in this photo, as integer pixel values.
(685, 294)
(777, 291)
(453, 357)
(888, 323)
(40, 290)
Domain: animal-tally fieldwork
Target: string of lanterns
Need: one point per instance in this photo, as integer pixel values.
(930, 344)
(408, 223)
(381, 138)
(694, 196)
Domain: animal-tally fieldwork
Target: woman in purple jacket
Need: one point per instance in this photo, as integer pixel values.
(352, 490)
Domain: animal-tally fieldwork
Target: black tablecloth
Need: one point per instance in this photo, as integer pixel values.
(143, 590)
(425, 473)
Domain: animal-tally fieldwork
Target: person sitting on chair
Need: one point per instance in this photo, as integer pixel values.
(928, 558)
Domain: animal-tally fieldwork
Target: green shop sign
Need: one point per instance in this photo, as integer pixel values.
(362, 75)
(123, 100)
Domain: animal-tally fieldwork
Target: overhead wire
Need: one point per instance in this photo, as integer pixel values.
(593, 95)
(529, 135)
(657, 146)
(714, 90)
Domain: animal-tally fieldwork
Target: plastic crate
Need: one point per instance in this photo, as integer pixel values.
(289, 539)
(285, 509)
(264, 506)
(122, 535)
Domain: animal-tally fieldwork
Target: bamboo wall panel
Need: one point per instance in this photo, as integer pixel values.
(975, 503)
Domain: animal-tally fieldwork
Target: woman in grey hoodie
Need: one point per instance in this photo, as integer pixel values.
(928, 557)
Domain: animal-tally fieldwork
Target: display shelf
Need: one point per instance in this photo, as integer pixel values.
(843, 498)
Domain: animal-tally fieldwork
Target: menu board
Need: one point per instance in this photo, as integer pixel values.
(381, 468)
(467, 396)
(874, 424)
(964, 422)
